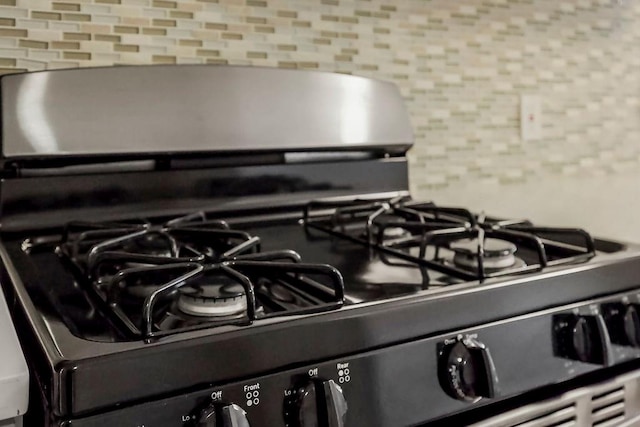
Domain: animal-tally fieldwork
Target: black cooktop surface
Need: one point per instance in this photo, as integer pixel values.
(97, 279)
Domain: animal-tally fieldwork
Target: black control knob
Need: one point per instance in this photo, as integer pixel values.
(221, 415)
(581, 337)
(623, 323)
(583, 340)
(316, 403)
(466, 370)
(632, 325)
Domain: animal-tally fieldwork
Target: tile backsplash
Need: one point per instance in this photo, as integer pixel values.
(461, 66)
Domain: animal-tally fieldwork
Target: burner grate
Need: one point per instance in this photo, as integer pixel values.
(429, 235)
(158, 279)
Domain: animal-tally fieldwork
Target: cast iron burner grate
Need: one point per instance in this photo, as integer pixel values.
(452, 241)
(191, 273)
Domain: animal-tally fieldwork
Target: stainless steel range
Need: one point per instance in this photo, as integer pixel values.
(227, 246)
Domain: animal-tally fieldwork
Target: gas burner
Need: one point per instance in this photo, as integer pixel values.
(213, 300)
(497, 254)
(281, 293)
(396, 233)
(425, 234)
(150, 244)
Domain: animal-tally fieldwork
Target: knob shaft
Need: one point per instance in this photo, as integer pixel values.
(221, 415)
(316, 403)
(466, 371)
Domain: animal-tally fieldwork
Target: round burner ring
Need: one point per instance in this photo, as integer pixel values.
(493, 248)
(213, 300)
(498, 254)
(490, 263)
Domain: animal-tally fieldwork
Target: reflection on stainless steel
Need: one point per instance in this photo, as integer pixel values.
(155, 109)
(31, 114)
(354, 125)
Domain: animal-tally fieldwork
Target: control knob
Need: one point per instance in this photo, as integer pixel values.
(581, 337)
(623, 323)
(465, 369)
(221, 415)
(316, 403)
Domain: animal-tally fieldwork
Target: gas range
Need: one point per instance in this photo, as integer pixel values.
(277, 275)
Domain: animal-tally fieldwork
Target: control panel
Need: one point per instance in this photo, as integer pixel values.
(413, 382)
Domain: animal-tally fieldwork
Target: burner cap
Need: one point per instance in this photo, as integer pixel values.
(282, 294)
(393, 231)
(213, 300)
(493, 248)
(498, 254)
(154, 244)
(396, 232)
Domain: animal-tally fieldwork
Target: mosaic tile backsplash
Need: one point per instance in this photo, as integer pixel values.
(461, 65)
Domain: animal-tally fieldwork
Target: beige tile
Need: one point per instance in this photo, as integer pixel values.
(154, 31)
(126, 48)
(76, 36)
(124, 29)
(257, 55)
(207, 52)
(74, 7)
(191, 43)
(135, 21)
(33, 44)
(7, 62)
(179, 14)
(232, 36)
(215, 26)
(76, 17)
(45, 15)
(96, 28)
(83, 56)
(164, 22)
(164, 3)
(13, 32)
(163, 59)
(65, 45)
(255, 20)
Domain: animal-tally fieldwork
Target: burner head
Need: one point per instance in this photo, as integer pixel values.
(393, 229)
(492, 247)
(498, 254)
(154, 244)
(396, 232)
(221, 299)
